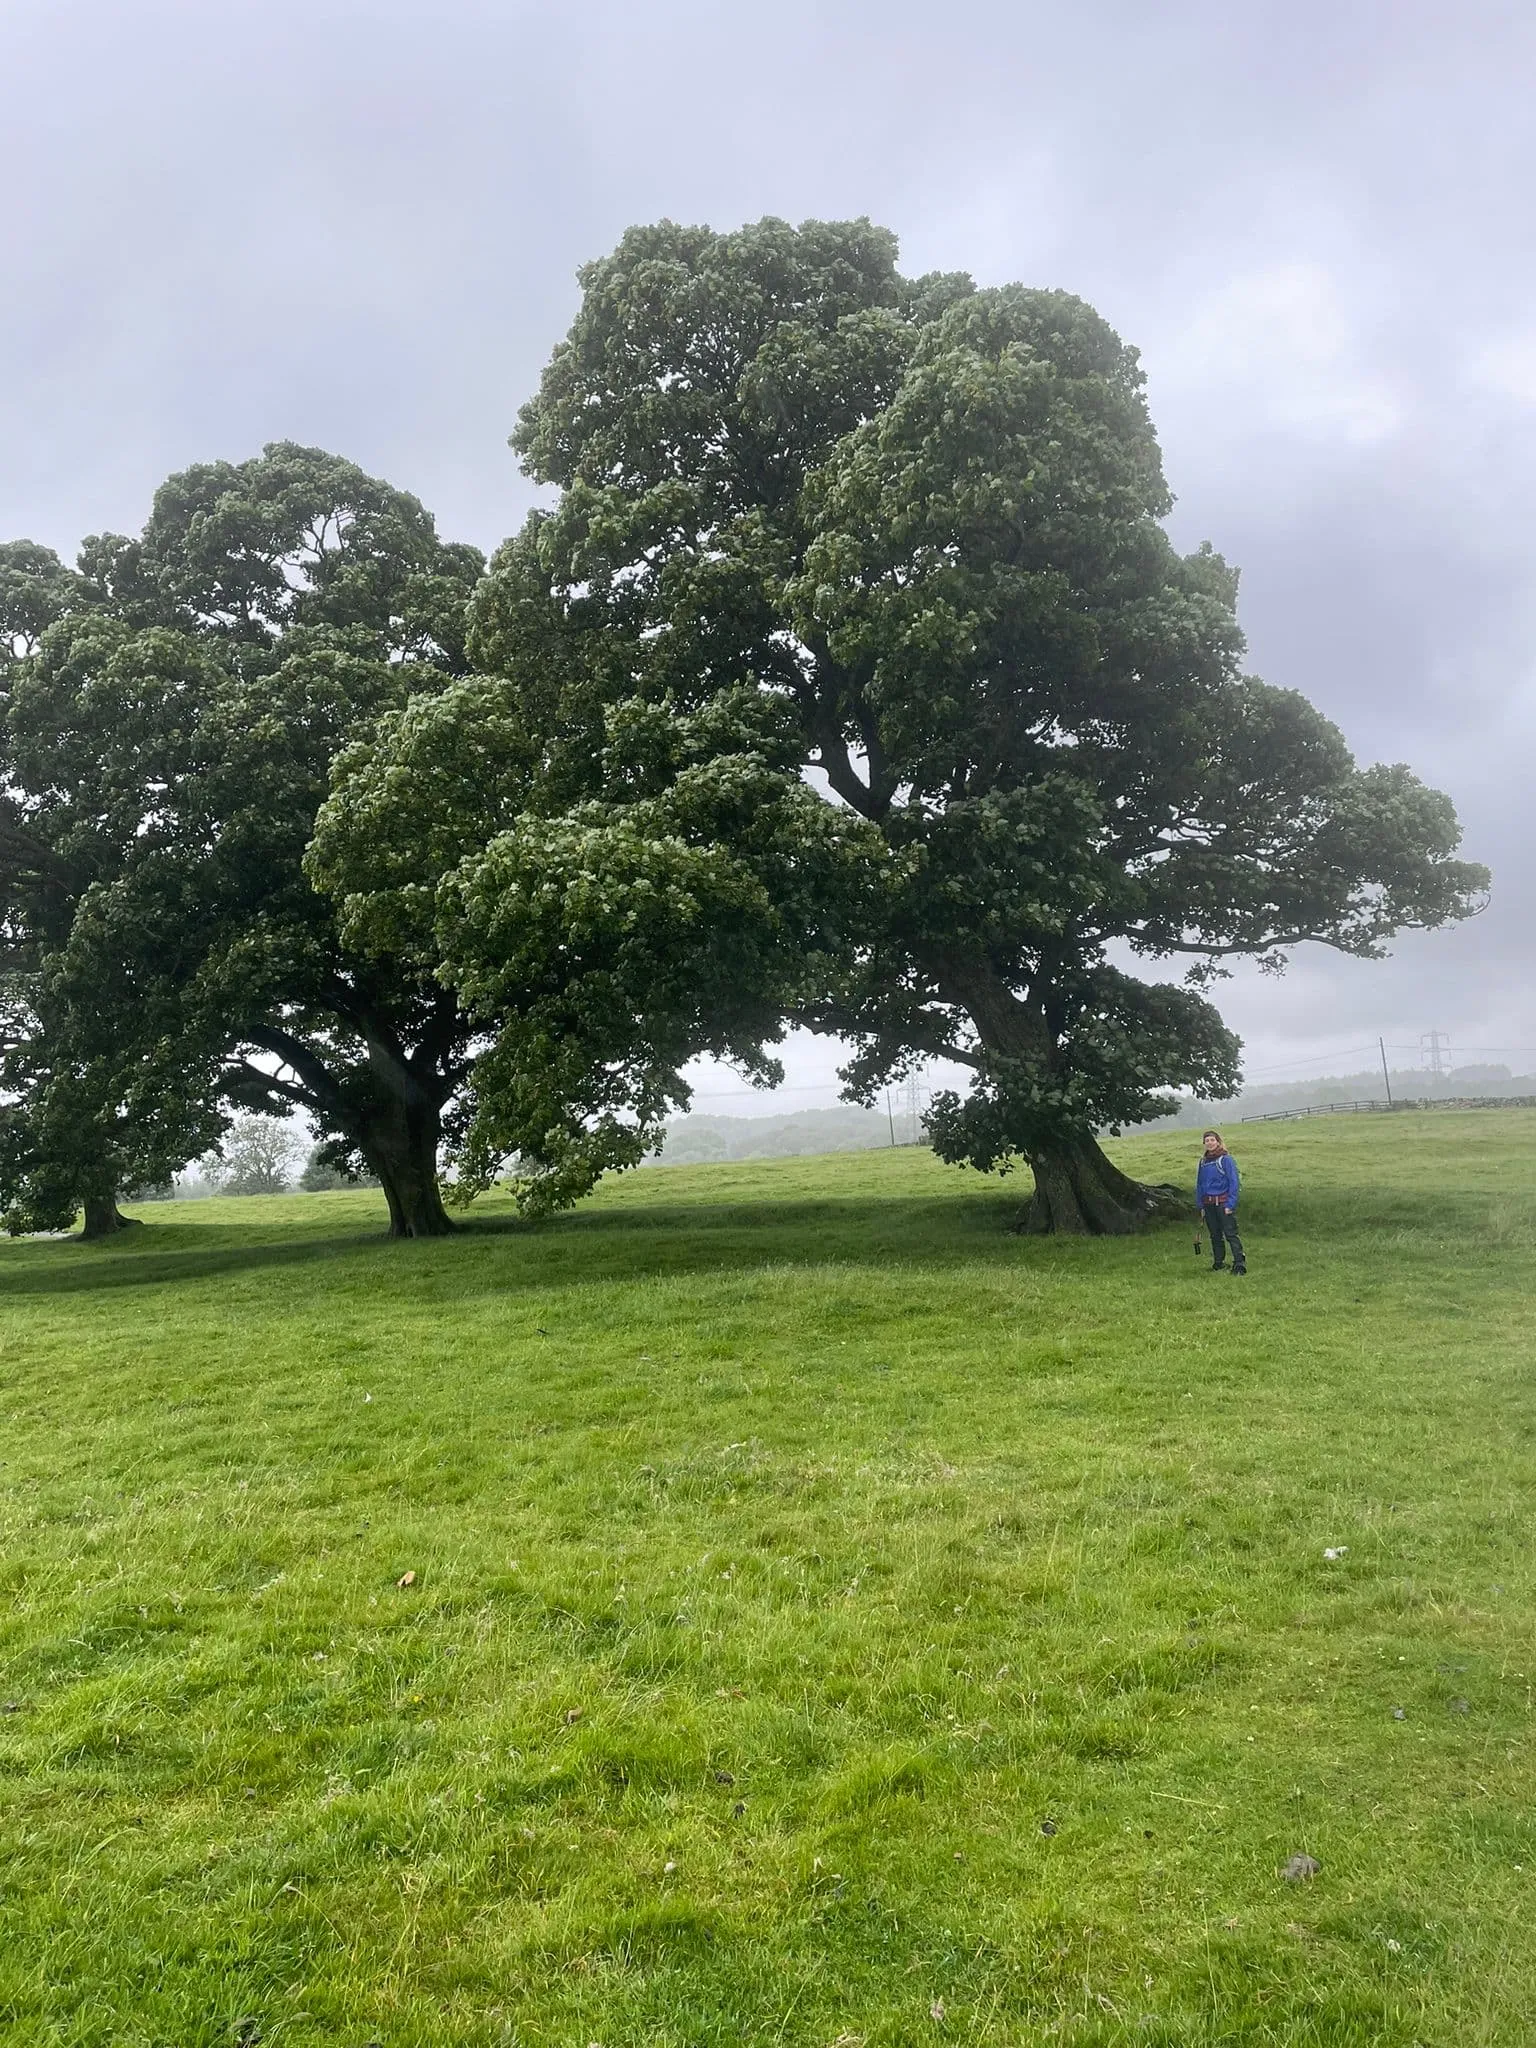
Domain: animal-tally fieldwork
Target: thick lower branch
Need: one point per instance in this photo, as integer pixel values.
(1078, 1191)
(391, 1114)
(832, 1018)
(307, 1064)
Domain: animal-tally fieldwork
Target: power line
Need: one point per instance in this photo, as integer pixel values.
(761, 1094)
(1462, 1050)
(1348, 1052)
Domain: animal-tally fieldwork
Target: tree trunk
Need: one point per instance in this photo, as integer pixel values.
(1079, 1192)
(103, 1218)
(400, 1144)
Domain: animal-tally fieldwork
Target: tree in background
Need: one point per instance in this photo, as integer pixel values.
(257, 1155)
(322, 1173)
(921, 525)
(171, 714)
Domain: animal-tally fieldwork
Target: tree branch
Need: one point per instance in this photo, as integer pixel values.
(23, 853)
(309, 1067)
(833, 759)
(273, 1084)
(1268, 945)
(445, 1024)
(834, 1018)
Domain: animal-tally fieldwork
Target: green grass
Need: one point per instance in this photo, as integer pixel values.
(836, 1618)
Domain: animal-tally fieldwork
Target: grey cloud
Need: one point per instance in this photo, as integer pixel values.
(359, 225)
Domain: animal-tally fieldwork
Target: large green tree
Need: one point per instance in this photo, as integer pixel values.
(609, 892)
(171, 715)
(923, 523)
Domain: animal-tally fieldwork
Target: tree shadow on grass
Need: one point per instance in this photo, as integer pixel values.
(505, 1254)
(68, 1266)
(631, 1241)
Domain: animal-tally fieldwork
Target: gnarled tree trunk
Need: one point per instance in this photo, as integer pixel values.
(392, 1112)
(1079, 1192)
(400, 1144)
(103, 1218)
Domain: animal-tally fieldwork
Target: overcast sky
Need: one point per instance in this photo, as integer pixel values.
(358, 225)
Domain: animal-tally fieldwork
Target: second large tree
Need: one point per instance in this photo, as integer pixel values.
(167, 725)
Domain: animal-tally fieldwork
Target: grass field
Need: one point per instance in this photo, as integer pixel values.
(836, 1620)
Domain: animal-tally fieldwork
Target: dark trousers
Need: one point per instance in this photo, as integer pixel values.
(1222, 1225)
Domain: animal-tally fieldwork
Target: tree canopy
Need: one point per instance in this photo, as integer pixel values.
(603, 914)
(922, 524)
(849, 678)
(170, 718)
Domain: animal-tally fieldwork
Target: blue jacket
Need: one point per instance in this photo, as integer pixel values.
(1217, 1181)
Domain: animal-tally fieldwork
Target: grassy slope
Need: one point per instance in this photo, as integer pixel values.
(836, 1619)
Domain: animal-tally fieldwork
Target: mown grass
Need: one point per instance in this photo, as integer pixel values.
(836, 1619)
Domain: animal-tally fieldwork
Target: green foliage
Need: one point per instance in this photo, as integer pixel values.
(600, 939)
(1011, 1690)
(297, 810)
(60, 1148)
(924, 522)
(80, 1119)
(167, 743)
(1130, 1036)
(35, 589)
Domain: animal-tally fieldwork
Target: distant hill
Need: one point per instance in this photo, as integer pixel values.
(844, 1127)
(1408, 1085)
(699, 1140)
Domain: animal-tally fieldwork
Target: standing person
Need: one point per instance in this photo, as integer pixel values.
(1216, 1186)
